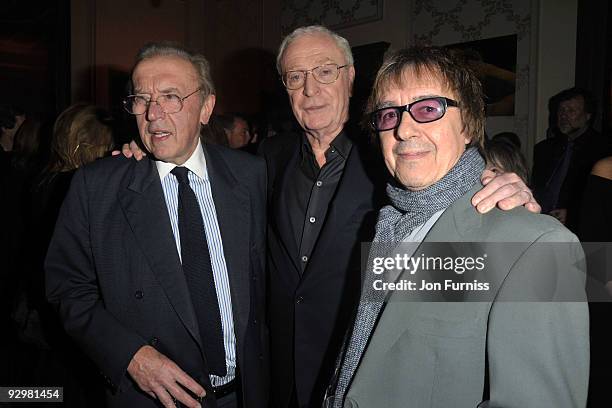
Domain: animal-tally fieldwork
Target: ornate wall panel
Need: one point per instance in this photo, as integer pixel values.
(335, 14)
(442, 22)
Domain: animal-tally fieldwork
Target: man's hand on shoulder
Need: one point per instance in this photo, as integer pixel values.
(506, 190)
(162, 379)
(129, 150)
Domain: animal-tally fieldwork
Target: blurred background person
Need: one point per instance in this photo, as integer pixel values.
(11, 118)
(563, 162)
(509, 137)
(596, 217)
(42, 354)
(239, 133)
(503, 154)
(11, 232)
(596, 234)
(81, 134)
(214, 132)
(30, 148)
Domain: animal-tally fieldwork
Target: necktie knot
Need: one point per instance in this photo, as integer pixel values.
(181, 174)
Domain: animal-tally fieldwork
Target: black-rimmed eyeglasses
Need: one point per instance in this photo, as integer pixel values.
(169, 103)
(422, 111)
(325, 74)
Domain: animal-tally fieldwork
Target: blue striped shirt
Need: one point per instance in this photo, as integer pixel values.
(200, 184)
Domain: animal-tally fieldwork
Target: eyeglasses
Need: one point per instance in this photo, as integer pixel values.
(169, 103)
(422, 111)
(325, 74)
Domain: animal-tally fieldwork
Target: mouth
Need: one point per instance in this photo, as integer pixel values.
(314, 108)
(159, 135)
(412, 155)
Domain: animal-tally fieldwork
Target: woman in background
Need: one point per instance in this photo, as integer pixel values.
(595, 232)
(44, 354)
(506, 157)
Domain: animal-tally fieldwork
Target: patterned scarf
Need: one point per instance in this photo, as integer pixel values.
(408, 210)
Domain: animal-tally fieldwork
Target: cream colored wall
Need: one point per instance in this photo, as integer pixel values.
(392, 28)
(444, 22)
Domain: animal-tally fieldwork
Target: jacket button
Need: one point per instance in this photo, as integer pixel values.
(299, 300)
(153, 342)
(139, 294)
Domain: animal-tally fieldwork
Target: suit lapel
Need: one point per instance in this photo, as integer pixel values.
(458, 220)
(232, 204)
(145, 211)
(280, 220)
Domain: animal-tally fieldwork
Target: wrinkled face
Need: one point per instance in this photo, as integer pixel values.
(419, 154)
(320, 109)
(571, 115)
(170, 137)
(240, 135)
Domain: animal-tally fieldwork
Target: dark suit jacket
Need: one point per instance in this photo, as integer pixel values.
(309, 312)
(588, 148)
(115, 275)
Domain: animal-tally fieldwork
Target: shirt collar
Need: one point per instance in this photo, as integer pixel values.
(341, 143)
(196, 164)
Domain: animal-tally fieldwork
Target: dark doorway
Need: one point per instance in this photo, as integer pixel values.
(35, 55)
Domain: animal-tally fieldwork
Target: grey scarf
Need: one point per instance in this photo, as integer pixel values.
(408, 210)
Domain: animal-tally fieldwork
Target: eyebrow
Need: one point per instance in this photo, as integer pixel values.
(162, 91)
(388, 104)
(317, 64)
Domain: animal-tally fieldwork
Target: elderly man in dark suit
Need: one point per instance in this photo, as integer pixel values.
(156, 266)
(324, 184)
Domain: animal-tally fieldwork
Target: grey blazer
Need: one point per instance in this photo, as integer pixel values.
(434, 354)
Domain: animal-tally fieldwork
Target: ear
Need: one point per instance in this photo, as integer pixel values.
(207, 109)
(351, 76)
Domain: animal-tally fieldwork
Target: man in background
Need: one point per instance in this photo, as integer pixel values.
(562, 163)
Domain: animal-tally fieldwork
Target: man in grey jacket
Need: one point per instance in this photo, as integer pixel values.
(511, 332)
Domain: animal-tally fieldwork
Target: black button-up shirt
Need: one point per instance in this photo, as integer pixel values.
(311, 191)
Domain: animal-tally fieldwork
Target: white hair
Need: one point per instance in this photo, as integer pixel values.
(340, 41)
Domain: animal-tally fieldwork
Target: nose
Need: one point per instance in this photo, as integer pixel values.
(154, 111)
(407, 127)
(311, 85)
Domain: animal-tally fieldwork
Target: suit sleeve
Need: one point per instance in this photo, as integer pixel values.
(71, 285)
(539, 351)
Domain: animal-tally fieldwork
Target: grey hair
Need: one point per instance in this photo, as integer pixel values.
(340, 41)
(199, 62)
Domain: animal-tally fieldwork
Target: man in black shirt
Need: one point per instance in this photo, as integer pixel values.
(563, 163)
(324, 185)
